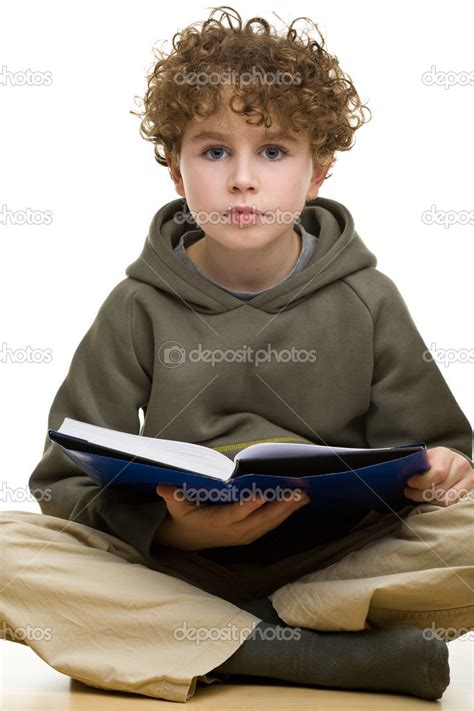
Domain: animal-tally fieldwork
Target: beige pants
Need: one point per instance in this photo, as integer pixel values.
(92, 608)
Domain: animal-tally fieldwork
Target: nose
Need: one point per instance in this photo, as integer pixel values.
(242, 176)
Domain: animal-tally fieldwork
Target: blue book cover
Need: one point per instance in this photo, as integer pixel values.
(334, 477)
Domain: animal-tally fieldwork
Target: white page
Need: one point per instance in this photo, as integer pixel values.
(183, 455)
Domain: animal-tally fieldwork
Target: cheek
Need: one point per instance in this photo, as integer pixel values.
(201, 185)
(289, 195)
(289, 183)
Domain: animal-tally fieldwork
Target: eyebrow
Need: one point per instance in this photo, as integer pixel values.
(216, 135)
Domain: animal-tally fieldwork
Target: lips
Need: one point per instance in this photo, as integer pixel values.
(243, 210)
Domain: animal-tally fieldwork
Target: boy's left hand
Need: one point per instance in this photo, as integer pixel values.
(449, 478)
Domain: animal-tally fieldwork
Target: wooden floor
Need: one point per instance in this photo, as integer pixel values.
(29, 684)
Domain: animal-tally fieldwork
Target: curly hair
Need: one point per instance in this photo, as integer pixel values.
(312, 94)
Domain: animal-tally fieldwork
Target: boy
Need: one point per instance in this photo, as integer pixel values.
(343, 604)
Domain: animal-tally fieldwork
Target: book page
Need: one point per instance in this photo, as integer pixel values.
(183, 455)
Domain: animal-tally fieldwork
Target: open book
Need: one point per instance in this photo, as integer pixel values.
(374, 478)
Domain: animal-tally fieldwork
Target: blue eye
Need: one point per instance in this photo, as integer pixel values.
(275, 148)
(221, 148)
(213, 148)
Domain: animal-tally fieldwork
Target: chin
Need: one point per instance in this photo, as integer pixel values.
(243, 239)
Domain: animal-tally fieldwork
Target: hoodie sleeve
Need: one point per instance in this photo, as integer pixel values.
(106, 385)
(409, 401)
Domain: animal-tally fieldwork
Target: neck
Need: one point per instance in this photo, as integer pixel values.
(241, 270)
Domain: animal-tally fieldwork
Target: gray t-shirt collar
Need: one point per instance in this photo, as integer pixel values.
(308, 246)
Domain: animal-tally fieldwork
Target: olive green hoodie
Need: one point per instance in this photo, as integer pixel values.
(336, 360)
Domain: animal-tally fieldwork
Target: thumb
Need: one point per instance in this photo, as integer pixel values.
(176, 501)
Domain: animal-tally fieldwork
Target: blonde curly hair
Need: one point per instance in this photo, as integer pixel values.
(313, 93)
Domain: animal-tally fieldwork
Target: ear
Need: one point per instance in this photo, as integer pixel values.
(316, 181)
(175, 174)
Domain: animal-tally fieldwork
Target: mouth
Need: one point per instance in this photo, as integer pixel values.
(243, 210)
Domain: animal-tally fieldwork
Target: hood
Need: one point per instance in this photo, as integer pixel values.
(338, 253)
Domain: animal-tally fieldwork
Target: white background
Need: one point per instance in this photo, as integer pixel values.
(74, 149)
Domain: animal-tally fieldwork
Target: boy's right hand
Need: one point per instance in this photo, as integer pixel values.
(189, 526)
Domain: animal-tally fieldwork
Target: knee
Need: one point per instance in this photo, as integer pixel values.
(16, 519)
(448, 530)
(14, 528)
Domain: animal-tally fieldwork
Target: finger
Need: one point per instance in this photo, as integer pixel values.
(426, 479)
(233, 513)
(271, 515)
(439, 496)
(166, 491)
(176, 502)
(442, 465)
(429, 495)
(454, 493)
(458, 476)
(245, 509)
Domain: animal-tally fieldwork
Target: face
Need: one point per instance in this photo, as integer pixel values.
(225, 162)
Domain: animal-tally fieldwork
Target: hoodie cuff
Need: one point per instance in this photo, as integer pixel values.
(134, 521)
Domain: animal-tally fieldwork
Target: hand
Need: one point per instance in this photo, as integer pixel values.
(449, 478)
(189, 526)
